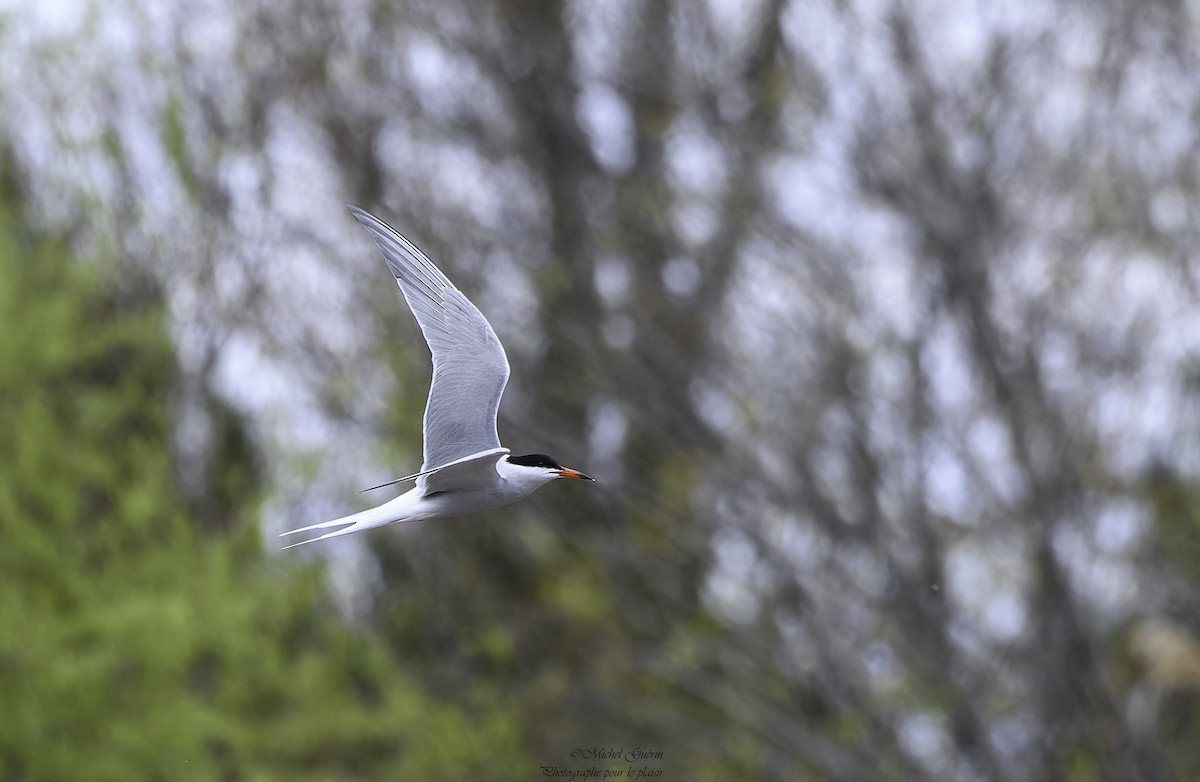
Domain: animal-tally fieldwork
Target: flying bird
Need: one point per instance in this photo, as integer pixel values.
(465, 467)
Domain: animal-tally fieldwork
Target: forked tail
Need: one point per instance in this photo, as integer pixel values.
(387, 513)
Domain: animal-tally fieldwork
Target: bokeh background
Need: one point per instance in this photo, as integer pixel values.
(878, 322)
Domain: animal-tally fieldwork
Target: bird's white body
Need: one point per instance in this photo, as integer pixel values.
(513, 482)
(465, 469)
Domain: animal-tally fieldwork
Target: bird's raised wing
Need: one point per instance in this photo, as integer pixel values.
(470, 369)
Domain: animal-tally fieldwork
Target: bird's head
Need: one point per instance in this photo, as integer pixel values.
(535, 466)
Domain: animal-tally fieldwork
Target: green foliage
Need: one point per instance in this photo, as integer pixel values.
(135, 642)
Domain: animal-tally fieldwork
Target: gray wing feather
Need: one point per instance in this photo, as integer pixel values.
(470, 369)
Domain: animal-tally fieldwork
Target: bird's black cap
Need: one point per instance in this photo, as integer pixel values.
(535, 460)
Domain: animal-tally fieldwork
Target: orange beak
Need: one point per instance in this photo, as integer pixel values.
(567, 472)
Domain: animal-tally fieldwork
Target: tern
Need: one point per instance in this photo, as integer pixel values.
(465, 468)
